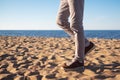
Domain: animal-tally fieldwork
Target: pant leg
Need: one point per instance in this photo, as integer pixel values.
(62, 17)
(76, 8)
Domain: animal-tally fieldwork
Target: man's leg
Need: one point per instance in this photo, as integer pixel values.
(76, 17)
(76, 8)
(62, 19)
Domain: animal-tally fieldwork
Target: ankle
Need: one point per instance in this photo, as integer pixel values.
(81, 60)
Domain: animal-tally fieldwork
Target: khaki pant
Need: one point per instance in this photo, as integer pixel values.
(73, 9)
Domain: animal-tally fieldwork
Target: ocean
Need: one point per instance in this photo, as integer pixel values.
(108, 34)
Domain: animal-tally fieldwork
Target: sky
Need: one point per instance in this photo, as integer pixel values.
(41, 14)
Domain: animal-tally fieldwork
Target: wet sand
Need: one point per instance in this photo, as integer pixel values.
(38, 58)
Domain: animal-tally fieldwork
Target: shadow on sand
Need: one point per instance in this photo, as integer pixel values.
(99, 69)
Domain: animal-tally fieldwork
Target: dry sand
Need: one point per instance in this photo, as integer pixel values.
(37, 58)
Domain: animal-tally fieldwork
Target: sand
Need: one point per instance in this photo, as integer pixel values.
(38, 58)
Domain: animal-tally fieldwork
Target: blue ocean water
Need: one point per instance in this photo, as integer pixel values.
(109, 34)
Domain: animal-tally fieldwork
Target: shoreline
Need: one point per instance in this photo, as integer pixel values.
(40, 58)
(109, 34)
(58, 37)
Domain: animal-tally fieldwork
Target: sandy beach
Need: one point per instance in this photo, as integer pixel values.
(38, 58)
